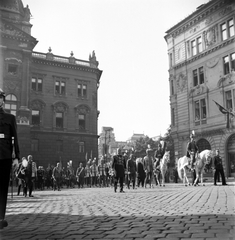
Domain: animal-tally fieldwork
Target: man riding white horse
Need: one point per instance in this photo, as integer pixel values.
(192, 150)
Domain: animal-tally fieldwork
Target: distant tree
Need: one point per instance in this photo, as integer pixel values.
(143, 143)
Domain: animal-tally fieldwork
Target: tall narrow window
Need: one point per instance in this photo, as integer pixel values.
(201, 75)
(36, 117)
(57, 87)
(203, 108)
(230, 28)
(226, 65)
(229, 100)
(172, 88)
(199, 44)
(170, 60)
(59, 120)
(197, 111)
(79, 90)
(224, 32)
(232, 58)
(84, 90)
(11, 104)
(173, 116)
(81, 122)
(33, 84)
(193, 46)
(195, 78)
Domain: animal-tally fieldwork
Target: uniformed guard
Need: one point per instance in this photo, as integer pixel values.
(119, 167)
(8, 150)
(192, 150)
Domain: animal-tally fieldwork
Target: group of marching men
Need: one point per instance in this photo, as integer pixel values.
(133, 172)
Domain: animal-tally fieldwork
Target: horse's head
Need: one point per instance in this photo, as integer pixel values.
(166, 156)
(206, 156)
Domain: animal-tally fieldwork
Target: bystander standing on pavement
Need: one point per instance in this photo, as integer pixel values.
(28, 178)
(148, 167)
(8, 150)
(131, 170)
(56, 175)
(119, 166)
(140, 172)
(80, 175)
(218, 168)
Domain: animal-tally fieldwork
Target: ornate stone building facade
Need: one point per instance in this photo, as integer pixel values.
(202, 73)
(54, 98)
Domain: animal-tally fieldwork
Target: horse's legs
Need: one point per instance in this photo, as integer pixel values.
(163, 178)
(202, 179)
(185, 177)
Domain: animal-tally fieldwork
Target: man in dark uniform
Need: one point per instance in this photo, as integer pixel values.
(119, 166)
(218, 166)
(192, 150)
(8, 150)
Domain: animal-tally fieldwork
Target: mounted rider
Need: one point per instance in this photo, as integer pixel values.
(192, 150)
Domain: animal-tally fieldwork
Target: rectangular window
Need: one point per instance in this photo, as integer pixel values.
(36, 84)
(203, 108)
(34, 145)
(79, 90)
(199, 44)
(200, 112)
(82, 90)
(229, 100)
(232, 58)
(226, 65)
(201, 75)
(60, 87)
(170, 60)
(193, 47)
(81, 122)
(230, 28)
(195, 78)
(172, 88)
(36, 117)
(173, 116)
(59, 120)
(12, 69)
(197, 111)
(59, 144)
(224, 32)
(81, 147)
(33, 84)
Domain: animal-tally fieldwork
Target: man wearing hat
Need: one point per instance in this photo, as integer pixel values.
(8, 150)
(192, 150)
(119, 167)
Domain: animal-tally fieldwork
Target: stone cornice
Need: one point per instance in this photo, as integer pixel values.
(196, 17)
(205, 53)
(66, 65)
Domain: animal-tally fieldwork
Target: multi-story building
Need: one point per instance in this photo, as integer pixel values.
(201, 53)
(54, 98)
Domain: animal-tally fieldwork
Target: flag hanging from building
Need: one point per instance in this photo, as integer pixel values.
(225, 111)
(86, 157)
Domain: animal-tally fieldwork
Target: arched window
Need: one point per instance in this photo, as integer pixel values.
(11, 104)
(203, 144)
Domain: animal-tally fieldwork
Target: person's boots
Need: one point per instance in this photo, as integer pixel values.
(19, 187)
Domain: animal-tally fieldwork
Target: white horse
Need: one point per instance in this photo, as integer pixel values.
(202, 159)
(163, 167)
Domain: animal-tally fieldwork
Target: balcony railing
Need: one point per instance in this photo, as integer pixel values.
(69, 60)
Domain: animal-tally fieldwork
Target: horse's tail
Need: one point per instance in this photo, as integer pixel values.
(179, 168)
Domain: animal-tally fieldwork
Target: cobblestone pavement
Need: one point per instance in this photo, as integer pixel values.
(173, 211)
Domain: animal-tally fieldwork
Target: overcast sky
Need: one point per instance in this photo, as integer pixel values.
(128, 39)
